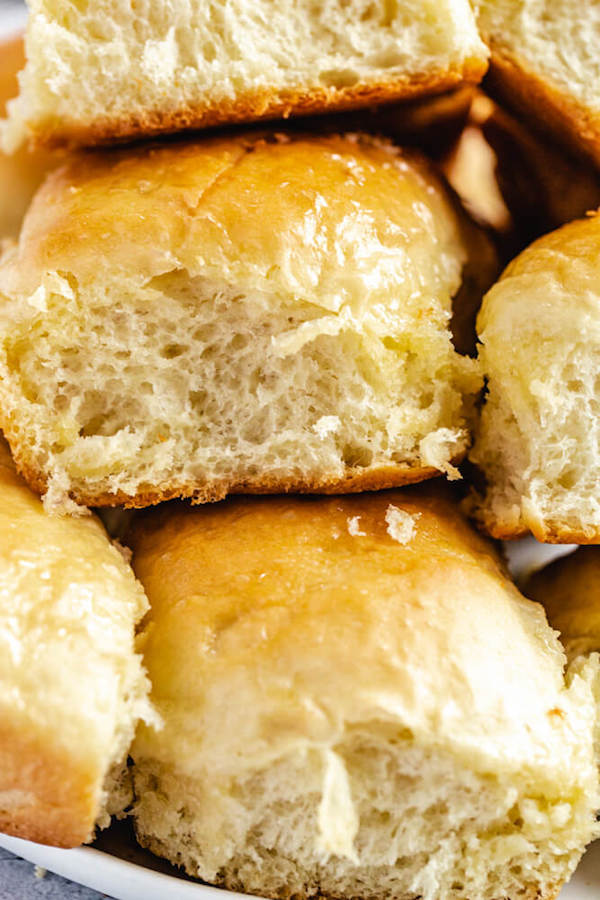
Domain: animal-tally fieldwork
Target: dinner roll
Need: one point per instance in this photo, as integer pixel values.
(543, 186)
(471, 167)
(545, 65)
(72, 687)
(432, 124)
(249, 314)
(110, 70)
(21, 174)
(514, 180)
(357, 702)
(569, 588)
(537, 441)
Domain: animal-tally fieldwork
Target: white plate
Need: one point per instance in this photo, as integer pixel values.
(119, 878)
(106, 873)
(117, 867)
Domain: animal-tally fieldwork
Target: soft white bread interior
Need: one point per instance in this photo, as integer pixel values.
(22, 173)
(108, 70)
(72, 687)
(246, 314)
(546, 64)
(538, 437)
(569, 588)
(357, 702)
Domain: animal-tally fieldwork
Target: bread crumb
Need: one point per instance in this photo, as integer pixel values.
(125, 552)
(354, 527)
(38, 299)
(400, 524)
(39, 872)
(57, 501)
(337, 818)
(8, 247)
(326, 425)
(438, 447)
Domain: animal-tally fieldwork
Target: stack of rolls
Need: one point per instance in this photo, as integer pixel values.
(336, 690)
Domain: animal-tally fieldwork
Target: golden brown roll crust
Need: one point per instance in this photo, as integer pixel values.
(22, 173)
(143, 195)
(356, 481)
(254, 106)
(543, 186)
(360, 261)
(71, 685)
(12, 60)
(302, 649)
(570, 123)
(537, 442)
(432, 124)
(516, 181)
(194, 65)
(44, 797)
(569, 589)
(505, 529)
(470, 168)
(440, 534)
(544, 66)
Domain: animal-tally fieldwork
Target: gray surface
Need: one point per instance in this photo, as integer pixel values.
(19, 882)
(7, 6)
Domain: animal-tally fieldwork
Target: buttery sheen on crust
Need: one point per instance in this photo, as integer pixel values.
(255, 313)
(357, 702)
(71, 685)
(109, 71)
(538, 437)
